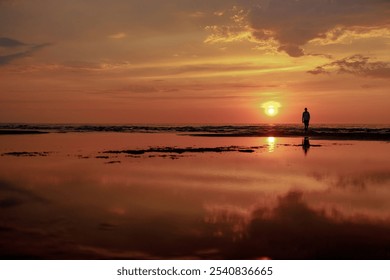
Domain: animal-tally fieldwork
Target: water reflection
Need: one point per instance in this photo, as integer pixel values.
(294, 230)
(204, 206)
(306, 144)
(271, 144)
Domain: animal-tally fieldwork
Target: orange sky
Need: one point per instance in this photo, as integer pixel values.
(186, 61)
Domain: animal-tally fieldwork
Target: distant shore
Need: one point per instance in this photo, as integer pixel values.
(323, 132)
(21, 132)
(311, 135)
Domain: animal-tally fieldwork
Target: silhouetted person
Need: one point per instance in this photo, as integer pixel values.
(305, 144)
(306, 119)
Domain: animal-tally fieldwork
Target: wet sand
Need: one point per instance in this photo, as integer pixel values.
(99, 195)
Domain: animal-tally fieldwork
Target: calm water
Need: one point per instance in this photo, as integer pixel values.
(95, 195)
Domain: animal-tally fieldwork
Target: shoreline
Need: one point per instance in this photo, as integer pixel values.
(312, 136)
(317, 133)
(21, 132)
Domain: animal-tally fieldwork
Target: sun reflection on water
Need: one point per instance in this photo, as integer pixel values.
(271, 142)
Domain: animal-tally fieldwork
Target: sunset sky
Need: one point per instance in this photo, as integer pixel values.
(193, 61)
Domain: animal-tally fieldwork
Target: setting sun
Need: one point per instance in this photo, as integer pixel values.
(271, 111)
(271, 108)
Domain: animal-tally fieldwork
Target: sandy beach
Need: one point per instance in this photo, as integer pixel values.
(164, 195)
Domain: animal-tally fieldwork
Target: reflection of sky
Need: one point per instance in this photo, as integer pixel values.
(219, 205)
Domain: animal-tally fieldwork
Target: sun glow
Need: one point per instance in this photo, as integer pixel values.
(271, 111)
(271, 108)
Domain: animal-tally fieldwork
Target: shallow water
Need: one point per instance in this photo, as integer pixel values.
(62, 196)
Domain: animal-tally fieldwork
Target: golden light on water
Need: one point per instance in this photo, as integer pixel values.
(271, 108)
(271, 141)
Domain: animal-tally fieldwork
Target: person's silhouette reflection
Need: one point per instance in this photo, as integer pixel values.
(305, 144)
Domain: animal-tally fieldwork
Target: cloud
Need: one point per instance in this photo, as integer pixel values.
(10, 43)
(198, 69)
(119, 35)
(237, 30)
(292, 50)
(291, 24)
(16, 49)
(357, 65)
(341, 35)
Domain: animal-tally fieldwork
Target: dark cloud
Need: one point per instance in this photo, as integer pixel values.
(10, 43)
(17, 49)
(294, 23)
(292, 50)
(356, 65)
(288, 25)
